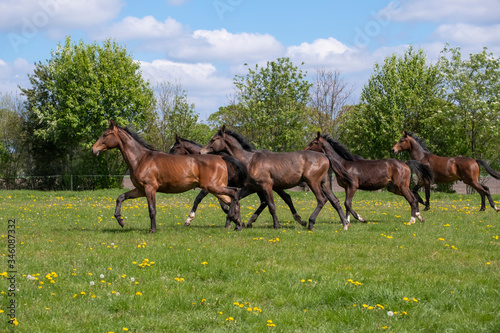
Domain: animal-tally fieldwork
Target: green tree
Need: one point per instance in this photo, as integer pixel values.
(471, 120)
(12, 150)
(271, 106)
(174, 115)
(399, 95)
(71, 98)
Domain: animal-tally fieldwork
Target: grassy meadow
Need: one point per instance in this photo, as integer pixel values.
(78, 271)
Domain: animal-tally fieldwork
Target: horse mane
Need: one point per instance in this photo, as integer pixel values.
(241, 140)
(419, 140)
(137, 137)
(191, 141)
(341, 149)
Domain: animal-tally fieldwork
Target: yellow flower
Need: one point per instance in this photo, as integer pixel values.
(138, 293)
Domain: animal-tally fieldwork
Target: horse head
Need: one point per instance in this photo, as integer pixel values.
(217, 143)
(404, 144)
(108, 140)
(316, 144)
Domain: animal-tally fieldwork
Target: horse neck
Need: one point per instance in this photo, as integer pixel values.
(132, 151)
(416, 151)
(192, 148)
(236, 150)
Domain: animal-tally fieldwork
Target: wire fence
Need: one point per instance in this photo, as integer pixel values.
(95, 182)
(63, 182)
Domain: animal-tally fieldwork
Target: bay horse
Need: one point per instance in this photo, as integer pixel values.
(446, 169)
(185, 147)
(372, 175)
(154, 171)
(268, 171)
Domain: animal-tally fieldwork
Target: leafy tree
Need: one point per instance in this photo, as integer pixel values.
(71, 98)
(399, 95)
(472, 118)
(271, 106)
(12, 149)
(174, 115)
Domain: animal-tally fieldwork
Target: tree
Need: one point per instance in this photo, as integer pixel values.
(270, 107)
(399, 95)
(12, 149)
(174, 115)
(330, 95)
(71, 98)
(472, 118)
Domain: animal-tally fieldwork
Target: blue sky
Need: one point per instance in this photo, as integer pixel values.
(203, 44)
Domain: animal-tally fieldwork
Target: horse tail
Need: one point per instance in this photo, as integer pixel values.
(236, 171)
(339, 170)
(423, 171)
(492, 172)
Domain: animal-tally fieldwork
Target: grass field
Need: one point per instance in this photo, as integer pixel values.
(78, 271)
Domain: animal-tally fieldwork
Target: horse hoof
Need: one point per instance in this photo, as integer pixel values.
(121, 223)
(187, 224)
(152, 231)
(427, 208)
(249, 225)
(361, 219)
(312, 228)
(276, 226)
(346, 227)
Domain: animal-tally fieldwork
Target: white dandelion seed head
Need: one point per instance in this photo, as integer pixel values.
(390, 313)
(132, 279)
(92, 283)
(101, 276)
(117, 294)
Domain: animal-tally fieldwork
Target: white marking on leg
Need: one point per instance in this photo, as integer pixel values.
(361, 218)
(412, 220)
(189, 219)
(349, 219)
(420, 217)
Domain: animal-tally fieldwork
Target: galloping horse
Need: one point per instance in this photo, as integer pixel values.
(185, 147)
(372, 175)
(153, 171)
(446, 169)
(268, 171)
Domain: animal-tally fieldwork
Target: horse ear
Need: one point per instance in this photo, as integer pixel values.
(404, 133)
(318, 135)
(111, 124)
(223, 129)
(177, 139)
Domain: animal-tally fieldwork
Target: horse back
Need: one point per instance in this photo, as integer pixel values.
(449, 169)
(285, 170)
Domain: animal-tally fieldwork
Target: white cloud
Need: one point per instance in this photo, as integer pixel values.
(13, 74)
(146, 28)
(28, 16)
(468, 34)
(483, 11)
(177, 2)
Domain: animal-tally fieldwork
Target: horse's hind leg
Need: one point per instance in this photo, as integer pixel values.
(321, 199)
(484, 192)
(349, 194)
(288, 200)
(334, 201)
(151, 197)
(135, 193)
(427, 195)
(259, 210)
(229, 196)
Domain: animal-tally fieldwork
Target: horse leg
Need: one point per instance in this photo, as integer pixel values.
(415, 192)
(268, 192)
(334, 201)
(151, 197)
(415, 213)
(427, 195)
(135, 193)
(349, 194)
(288, 200)
(321, 200)
(483, 192)
(230, 197)
(259, 210)
(197, 201)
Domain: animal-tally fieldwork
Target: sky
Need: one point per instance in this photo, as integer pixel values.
(203, 44)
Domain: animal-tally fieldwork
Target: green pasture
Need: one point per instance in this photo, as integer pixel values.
(78, 271)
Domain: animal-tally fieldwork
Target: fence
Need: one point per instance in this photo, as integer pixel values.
(63, 182)
(93, 182)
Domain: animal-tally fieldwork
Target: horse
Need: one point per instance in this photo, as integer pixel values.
(268, 171)
(185, 147)
(446, 169)
(154, 171)
(372, 175)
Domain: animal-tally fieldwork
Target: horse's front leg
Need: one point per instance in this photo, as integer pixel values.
(197, 201)
(288, 200)
(135, 193)
(151, 197)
